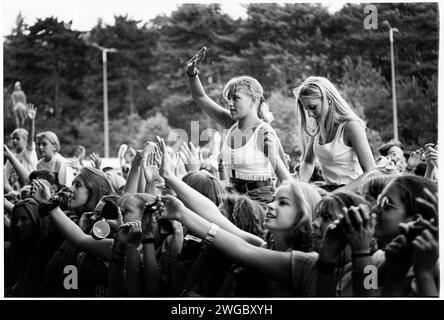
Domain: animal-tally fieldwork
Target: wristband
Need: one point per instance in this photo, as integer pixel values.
(192, 75)
(361, 254)
(147, 240)
(326, 267)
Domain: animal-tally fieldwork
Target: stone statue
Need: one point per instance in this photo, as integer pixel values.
(19, 108)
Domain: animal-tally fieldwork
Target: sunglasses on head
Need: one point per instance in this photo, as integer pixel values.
(383, 203)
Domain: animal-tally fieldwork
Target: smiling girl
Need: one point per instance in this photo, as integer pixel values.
(88, 187)
(336, 135)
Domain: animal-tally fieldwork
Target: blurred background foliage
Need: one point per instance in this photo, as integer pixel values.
(279, 44)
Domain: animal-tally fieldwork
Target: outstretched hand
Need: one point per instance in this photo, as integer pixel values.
(190, 157)
(167, 168)
(97, 162)
(31, 111)
(150, 169)
(195, 61)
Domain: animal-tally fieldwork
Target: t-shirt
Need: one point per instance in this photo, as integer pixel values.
(304, 273)
(28, 158)
(58, 165)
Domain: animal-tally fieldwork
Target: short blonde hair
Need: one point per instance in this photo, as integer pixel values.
(52, 137)
(253, 88)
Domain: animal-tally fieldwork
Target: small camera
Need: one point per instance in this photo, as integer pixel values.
(150, 208)
(164, 225)
(110, 210)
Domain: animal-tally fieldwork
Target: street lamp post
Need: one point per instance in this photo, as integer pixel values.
(392, 58)
(105, 96)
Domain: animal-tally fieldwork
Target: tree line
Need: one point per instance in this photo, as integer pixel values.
(279, 44)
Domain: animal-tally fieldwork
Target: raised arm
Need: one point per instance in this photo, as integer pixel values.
(354, 134)
(274, 264)
(31, 112)
(215, 111)
(16, 164)
(307, 165)
(133, 176)
(198, 202)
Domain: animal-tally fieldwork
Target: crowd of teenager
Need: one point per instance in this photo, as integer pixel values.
(233, 222)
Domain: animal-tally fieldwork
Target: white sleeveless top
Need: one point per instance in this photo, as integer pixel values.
(339, 162)
(247, 162)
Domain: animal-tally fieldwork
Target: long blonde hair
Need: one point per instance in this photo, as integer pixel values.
(334, 110)
(253, 88)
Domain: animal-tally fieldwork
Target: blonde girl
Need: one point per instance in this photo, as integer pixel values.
(246, 123)
(331, 133)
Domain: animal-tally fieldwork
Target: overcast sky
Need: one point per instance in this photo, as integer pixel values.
(84, 13)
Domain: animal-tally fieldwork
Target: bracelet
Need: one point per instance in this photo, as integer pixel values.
(209, 238)
(147, 240)
(325, 267)
(361, 254)
(192, 75)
